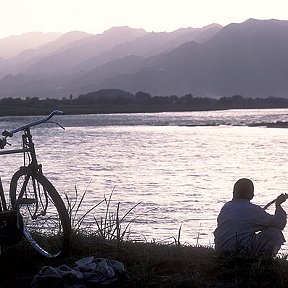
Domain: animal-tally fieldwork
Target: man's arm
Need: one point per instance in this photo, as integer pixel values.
(278, 220)
(280, 214)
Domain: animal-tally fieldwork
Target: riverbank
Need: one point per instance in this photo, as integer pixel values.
(150, 265)
(114, 101)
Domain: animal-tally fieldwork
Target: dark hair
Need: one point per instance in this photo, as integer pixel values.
(243, 189)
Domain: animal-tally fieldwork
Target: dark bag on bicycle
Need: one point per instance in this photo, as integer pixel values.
(10, 230)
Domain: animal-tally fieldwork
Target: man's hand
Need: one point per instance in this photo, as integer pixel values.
(281, 198)
(3, 142)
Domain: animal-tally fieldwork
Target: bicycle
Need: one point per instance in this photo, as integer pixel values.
(36, 210)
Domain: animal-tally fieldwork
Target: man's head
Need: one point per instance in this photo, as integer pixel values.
(243, 189)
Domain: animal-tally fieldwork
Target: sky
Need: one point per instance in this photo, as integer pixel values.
(95, 16)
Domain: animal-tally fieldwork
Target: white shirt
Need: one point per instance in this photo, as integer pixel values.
(240, 218)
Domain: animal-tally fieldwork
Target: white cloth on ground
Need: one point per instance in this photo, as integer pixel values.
(87, 271)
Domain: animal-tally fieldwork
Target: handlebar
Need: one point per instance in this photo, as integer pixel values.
(55, 112)
(6, 133)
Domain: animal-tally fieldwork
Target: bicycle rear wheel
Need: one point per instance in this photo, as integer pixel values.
(46, 223)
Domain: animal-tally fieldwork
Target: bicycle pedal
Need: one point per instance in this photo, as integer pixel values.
(27, 201)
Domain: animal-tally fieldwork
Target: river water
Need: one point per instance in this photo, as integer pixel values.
(178, 167)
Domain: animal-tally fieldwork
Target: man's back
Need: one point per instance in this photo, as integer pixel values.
(242, 225)
(237, 220)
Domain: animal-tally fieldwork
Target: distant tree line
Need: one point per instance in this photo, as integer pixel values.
(128, 103)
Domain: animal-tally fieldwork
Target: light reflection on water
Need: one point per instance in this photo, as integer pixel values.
(181, 173)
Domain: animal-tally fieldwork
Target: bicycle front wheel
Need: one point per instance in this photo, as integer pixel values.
(46, 223)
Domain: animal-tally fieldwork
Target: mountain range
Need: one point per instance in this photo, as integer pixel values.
(248, 59)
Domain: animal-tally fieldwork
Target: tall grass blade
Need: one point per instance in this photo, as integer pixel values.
(80, 202)
(80, 221)
(107, 206)
(179, 234)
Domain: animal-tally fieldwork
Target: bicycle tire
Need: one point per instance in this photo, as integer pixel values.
(48, 231)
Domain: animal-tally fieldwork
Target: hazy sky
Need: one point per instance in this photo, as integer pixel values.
(95, 16)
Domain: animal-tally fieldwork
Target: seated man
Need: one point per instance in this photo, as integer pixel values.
(247, 229)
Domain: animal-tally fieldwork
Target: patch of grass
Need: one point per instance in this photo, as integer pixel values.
(73, 207)
(110, 226)
(151, 265)
(147, 264)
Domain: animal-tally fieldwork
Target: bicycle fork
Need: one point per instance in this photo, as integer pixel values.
(30, 195)
(3, 205)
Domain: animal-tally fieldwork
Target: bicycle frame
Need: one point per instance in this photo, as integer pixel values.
(28, 150)
(36, 209)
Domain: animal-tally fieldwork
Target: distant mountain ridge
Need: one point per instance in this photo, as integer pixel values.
(27, 57)
(13, 45)
(247, 59)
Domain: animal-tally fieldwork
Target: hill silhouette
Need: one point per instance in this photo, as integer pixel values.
(246, 59)
(119, 101)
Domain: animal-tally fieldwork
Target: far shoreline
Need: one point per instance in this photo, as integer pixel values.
(92, 103)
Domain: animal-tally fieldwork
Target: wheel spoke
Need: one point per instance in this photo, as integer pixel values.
(45, 218)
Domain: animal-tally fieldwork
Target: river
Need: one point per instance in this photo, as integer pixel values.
(178, 167)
